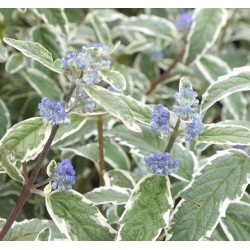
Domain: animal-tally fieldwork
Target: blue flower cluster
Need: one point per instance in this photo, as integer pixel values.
(187, 108)
(161, 164)
(53, 112)
(194, 129)
(160, 120)
(63, 176)
(88, 62)
(184, 20)
(85, 67)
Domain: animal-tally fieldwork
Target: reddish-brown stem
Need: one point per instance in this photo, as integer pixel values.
(27, 188)
(28, 185)
(166, 73)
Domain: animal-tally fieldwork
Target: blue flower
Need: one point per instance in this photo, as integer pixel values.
(187, 108)
(66, 59)
(194, 129)
(53, 112)
(100, 50)
(184, 20)
(89, 61)
(161, 164)
(160, 120)
(63, 176)
(91, 77)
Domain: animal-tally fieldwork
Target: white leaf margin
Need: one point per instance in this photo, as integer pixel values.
(224, 204)
(208, 44)
(65, 227)
(129, 206)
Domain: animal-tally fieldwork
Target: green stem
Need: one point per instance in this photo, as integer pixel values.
(173, 136)
(101, 149)
(41, 183)
(28, 185)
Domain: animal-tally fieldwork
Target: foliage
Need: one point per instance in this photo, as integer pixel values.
(144, 113)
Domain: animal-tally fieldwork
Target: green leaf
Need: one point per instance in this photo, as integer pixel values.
(206, 27)
(114, 154)
(35, 51)
(188, 162)
(3, 53)
(222, 180)
(246, 198)
(212, 67)
(218, 234)
(139, 45)
(114, 47)
(234, 105)
(44, 235)
(22, 142)
(148, 25)
(8, 167)
(133, 77)
(10, 188)
(114, 105)
(47, 36)
(236, 223)
(238, 80)
(77, 217)
(145, 143)
(140, 111)
(228, 132)
(43, 85)
(101, 29)
(147, 211)
(8, 203)
(113, 78)
(77, 122)
(87, 130)
(25, 140)
(28, 230)
(53, 16)
(4, 118)
(14, 63)
(119, 177)
(176, 188)
(104, 195)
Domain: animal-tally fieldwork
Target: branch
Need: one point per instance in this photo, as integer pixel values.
(166, 73)
(27, 188)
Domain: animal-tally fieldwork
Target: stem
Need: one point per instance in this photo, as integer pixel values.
(42, 156)
(101, 149)
(16, 210)
(166, 73)
(38, 192)
(27, 188)
(41, 183)
(173, 136)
